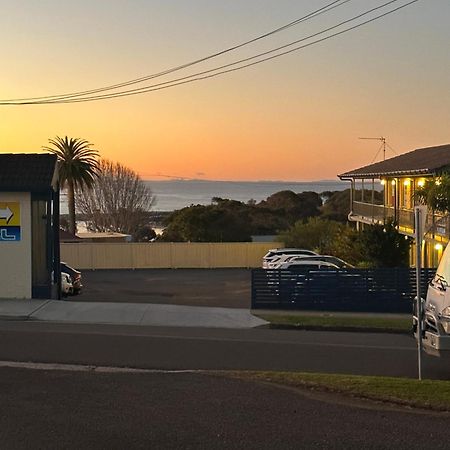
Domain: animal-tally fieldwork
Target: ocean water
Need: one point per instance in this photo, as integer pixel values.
(176, 194)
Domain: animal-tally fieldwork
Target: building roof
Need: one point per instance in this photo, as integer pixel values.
(423, 161)
(65, 236)
(28, 172)
(99, 235)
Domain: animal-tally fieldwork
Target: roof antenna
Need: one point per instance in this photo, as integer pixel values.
(383, 145)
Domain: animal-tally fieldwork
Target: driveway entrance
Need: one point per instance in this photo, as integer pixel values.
(227, 288)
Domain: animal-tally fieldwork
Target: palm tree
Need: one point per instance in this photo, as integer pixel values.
(78, 168)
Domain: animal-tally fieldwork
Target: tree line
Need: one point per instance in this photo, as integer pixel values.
(305, 220)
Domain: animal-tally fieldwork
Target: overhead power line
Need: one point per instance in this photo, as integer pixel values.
(204, 74)
(328, 7)
(207, 74)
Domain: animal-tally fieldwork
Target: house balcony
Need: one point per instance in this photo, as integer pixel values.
(437, 226)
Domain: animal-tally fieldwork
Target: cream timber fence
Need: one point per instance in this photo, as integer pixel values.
(172, 255)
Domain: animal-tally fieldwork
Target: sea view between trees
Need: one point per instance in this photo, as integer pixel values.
(171, 195)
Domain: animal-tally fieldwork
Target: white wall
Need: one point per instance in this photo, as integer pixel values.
(15, 257)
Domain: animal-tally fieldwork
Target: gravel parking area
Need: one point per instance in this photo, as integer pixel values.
(229, 288)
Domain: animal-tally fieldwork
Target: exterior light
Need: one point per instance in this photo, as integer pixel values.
(407, 182)
(438, 247)
(393, 182)
(438, 182)
(383, 182)
(421, 183)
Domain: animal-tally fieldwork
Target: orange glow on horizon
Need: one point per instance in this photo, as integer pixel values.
(296, 118)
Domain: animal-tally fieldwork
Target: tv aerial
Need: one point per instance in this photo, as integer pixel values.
(383, 146)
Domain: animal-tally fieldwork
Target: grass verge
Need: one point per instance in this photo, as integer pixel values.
(426, 394)
(395, 325)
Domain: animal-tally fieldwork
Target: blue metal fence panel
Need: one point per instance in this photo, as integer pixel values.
(363, 290)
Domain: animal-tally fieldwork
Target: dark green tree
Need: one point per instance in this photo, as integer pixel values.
(211, 223)
(384, 246)
(293, 206)
(314, 234)
(78, 169)
(436, 194)
(144, 234)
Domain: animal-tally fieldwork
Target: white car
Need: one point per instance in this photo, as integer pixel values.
(340, 263)
(274, 253)
(315, 265)
(66, 284)
(278, 260)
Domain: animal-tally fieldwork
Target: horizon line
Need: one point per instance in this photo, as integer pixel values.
(186, 179)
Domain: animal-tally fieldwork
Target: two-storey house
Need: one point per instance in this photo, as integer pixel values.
(398, 178)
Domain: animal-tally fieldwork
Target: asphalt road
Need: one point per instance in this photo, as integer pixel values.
(203, 348)
(82, 408)
(195, 287)
(85, 410)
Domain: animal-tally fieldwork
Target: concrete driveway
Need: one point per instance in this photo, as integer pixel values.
(227, 288)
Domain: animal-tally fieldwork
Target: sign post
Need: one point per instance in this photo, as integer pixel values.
(420, 215)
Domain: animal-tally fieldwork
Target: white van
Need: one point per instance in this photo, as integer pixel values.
(436, 311)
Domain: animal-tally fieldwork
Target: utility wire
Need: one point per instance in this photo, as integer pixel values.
(190, 80)
(328, 7)
(177, 81)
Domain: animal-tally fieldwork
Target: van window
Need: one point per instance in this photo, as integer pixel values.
(444, 266)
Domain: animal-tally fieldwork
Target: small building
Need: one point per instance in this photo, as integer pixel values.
(105, 236)
(29, 225)
(68, 238)
(398, 178)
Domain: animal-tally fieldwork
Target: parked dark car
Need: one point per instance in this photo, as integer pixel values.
(75, 275)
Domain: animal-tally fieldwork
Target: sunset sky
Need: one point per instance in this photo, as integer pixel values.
(296, 118)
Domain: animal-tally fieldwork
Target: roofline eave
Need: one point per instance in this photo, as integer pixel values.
(413, 173)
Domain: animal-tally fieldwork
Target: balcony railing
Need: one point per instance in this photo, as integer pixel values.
(436, 225)
(374, 212)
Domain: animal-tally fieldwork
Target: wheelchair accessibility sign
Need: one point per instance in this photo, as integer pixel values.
(9, 221)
